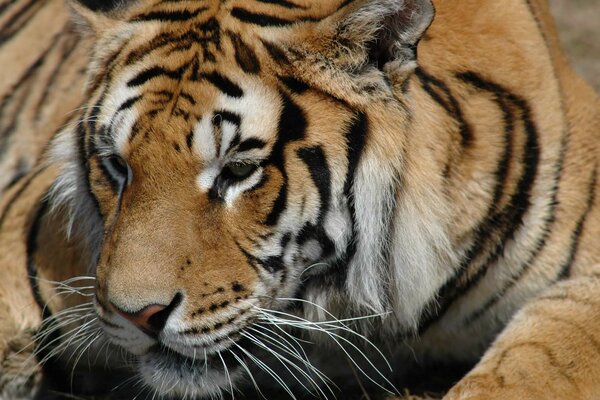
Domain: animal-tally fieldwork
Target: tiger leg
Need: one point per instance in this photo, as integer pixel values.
(20, 373)
(33, 252)
(550, 350)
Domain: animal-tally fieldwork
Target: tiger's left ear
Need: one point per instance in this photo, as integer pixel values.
(383, 32)
(94, 16)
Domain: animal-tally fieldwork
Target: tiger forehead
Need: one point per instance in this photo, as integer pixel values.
(254, 12)
(202, 26)
(189, 62)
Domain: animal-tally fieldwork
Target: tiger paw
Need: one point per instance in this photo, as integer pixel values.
(490, 387)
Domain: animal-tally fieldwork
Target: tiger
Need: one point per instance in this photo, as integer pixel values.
(206, 196)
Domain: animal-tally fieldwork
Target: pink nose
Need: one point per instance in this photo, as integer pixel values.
(150, 319)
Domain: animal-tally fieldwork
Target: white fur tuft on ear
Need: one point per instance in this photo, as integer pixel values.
(387, 30)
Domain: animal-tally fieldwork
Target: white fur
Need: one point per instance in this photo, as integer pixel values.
(204, 140)
(69, 196)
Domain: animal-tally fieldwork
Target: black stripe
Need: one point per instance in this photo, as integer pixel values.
(540, 243)
(294, 85)
(19, 20)
(189, 139)
(10, 203)
(84, 164)
(32, 247)
(101, 5)
(441, 93)
(252, 261)
(165, 39)
(565, 270)
(500, 226)
(271, 264)
(266, 20)
(276, 52)
(251, 144)
(202, 34)
(282, 3)
(6, 4)
(244, 55)
(188, 97)
(21, 170)
(21, 88)
(154, 72)
(315, 160)
(317, 233)
(169, 16)
(275, 263)
(53, 369)
(229, 116)
(224, 84)
(356, 138)
(292, 127)
(7, 132)
(55, 75)
(129, 103)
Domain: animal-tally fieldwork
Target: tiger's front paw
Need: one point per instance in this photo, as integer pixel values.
(491, 387)
(476, 387)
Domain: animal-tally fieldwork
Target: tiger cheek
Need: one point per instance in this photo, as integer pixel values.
(258, 203)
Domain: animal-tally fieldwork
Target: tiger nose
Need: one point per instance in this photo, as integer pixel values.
(151, 319)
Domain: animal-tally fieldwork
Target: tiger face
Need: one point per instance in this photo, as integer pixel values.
(219, 156)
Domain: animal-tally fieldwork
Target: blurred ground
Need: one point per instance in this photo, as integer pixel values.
(579, 26)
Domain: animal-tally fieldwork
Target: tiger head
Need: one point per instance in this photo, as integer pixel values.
(232, 155)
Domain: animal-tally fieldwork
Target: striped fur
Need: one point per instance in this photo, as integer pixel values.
(216, 157)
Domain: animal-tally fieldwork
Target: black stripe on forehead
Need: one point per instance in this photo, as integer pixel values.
(224, 84)
(219, 118)
(265, 20)
(153, 72)
(244, 55)
(282, 3)
(169, 16)
(251, 144)
(227, 116)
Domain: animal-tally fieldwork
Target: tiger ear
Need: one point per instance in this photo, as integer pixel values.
(380, 32)
(94, 15)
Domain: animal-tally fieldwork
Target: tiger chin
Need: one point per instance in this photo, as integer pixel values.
(398, 174)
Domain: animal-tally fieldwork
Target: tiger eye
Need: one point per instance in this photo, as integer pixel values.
(241, 170)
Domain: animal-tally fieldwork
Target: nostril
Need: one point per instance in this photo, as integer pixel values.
(150, 319)
(158, 320)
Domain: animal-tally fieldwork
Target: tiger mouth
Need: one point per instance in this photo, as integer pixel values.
(170, 359)
(171, 374)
